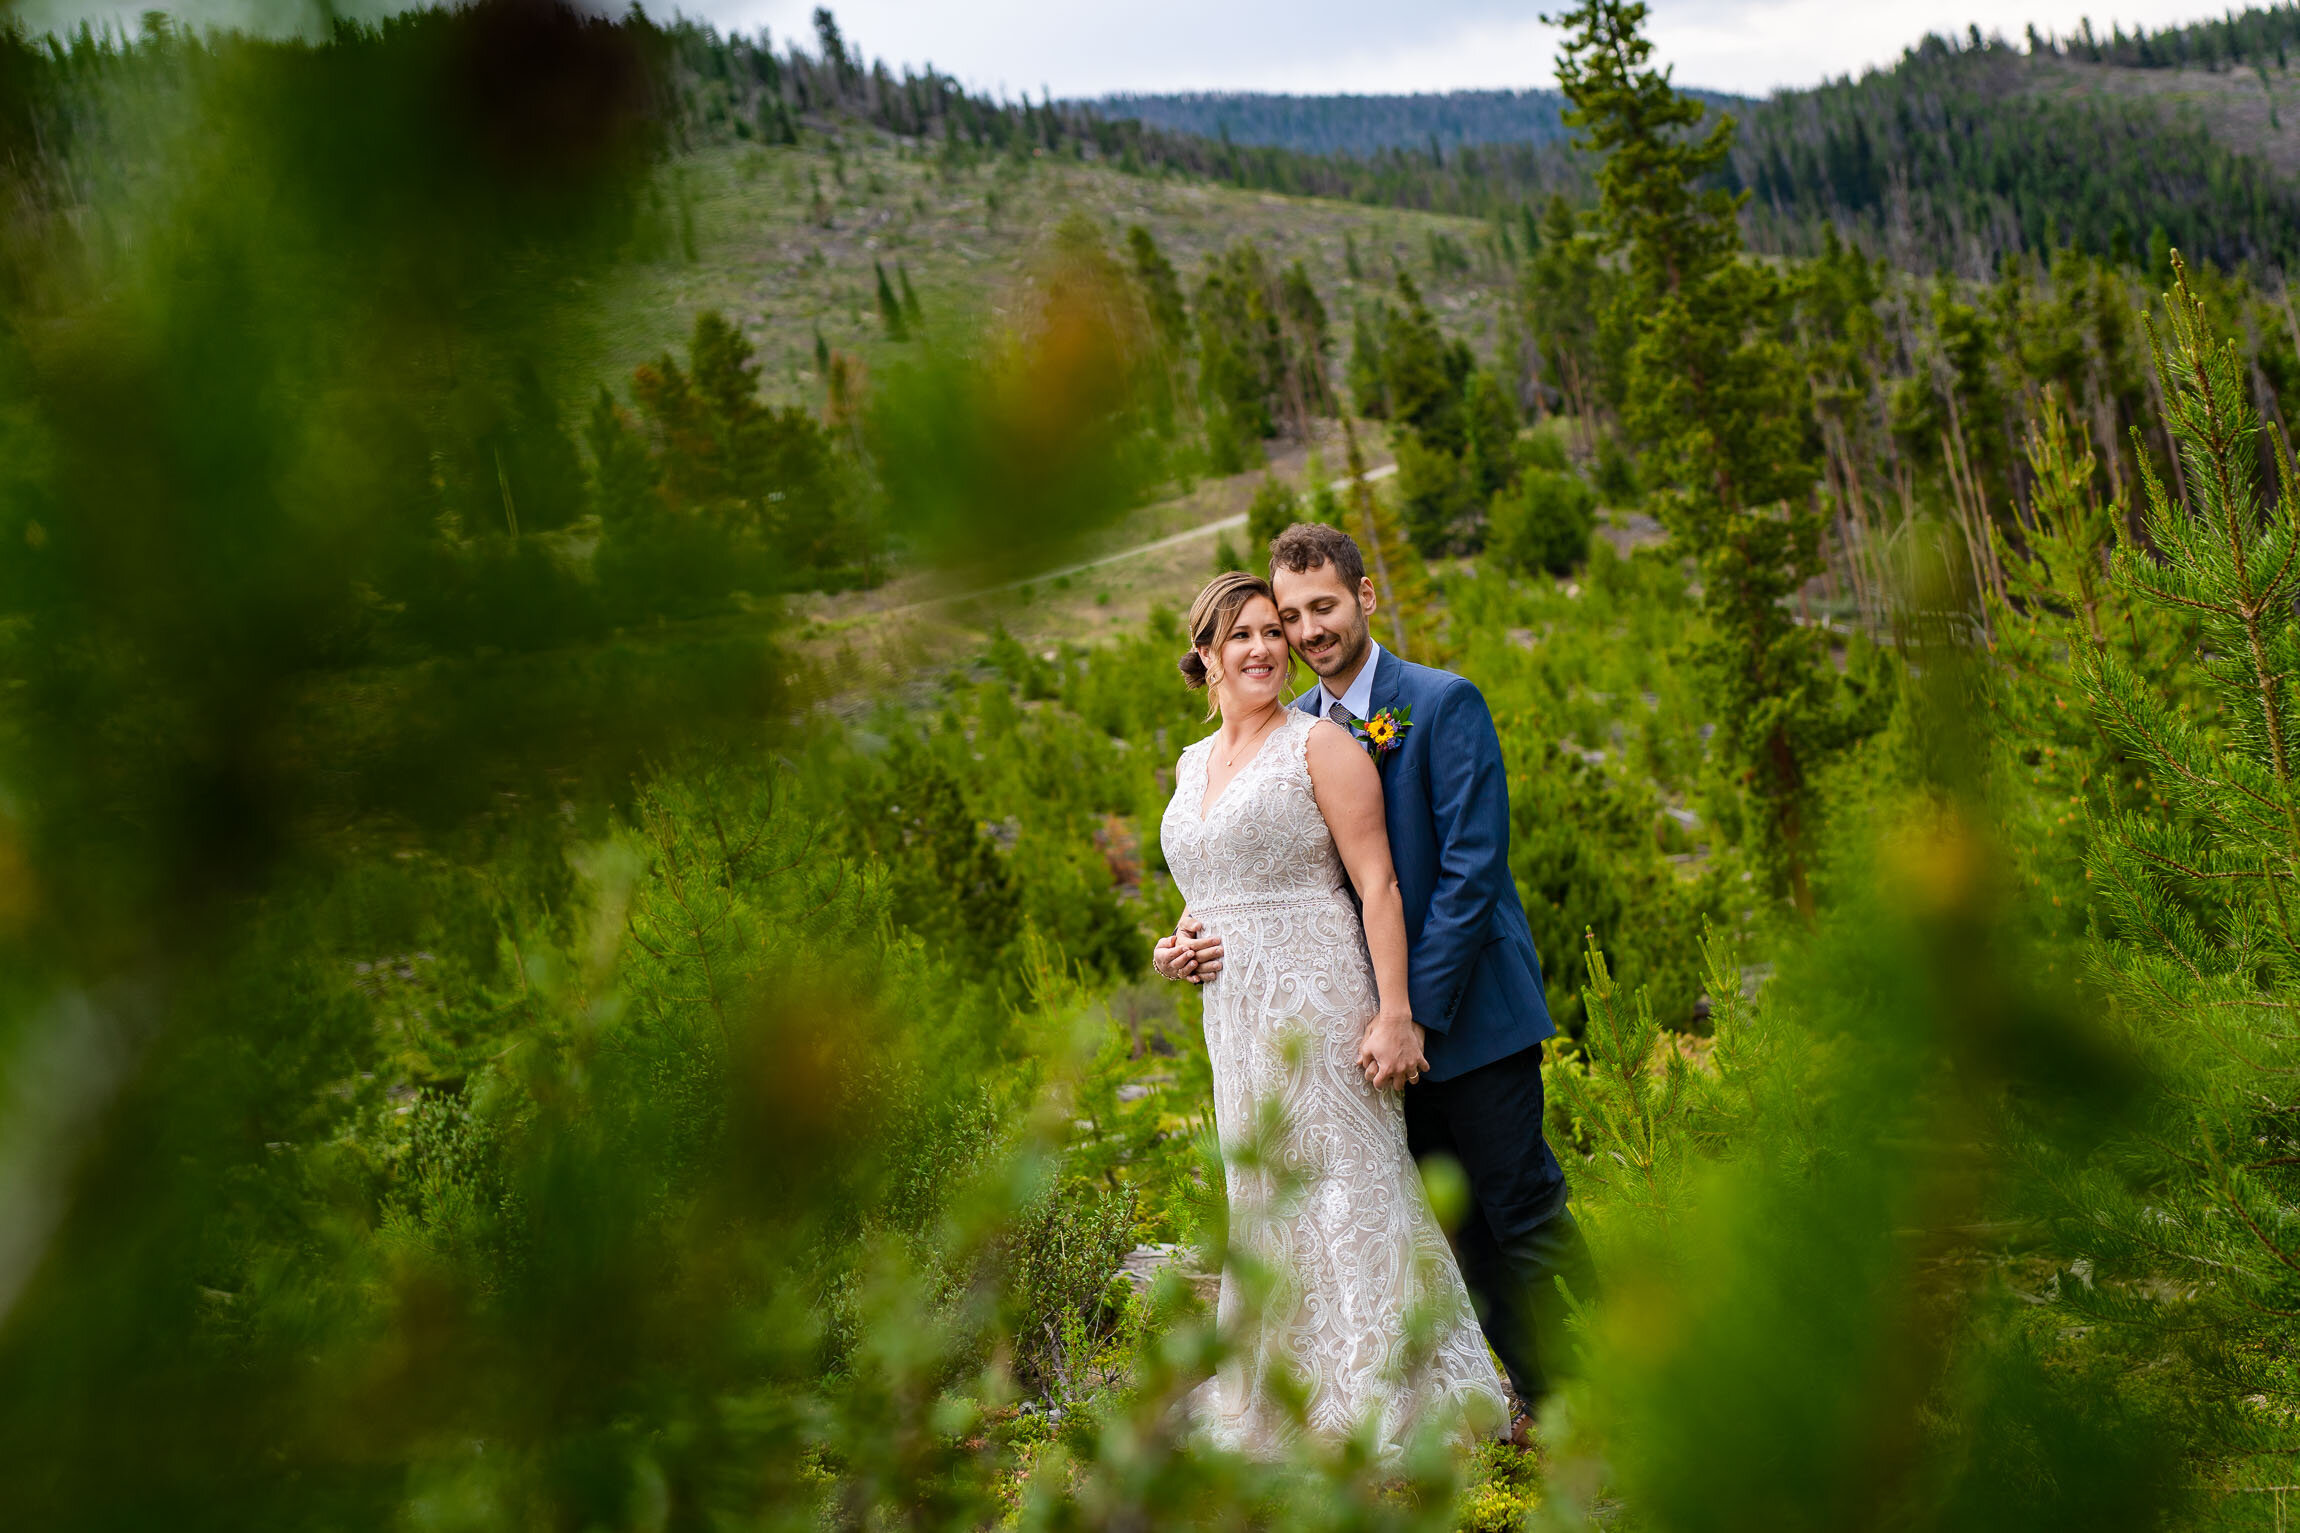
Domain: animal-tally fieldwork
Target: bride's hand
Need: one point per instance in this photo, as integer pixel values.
(1391, 1052)
(1188, 954)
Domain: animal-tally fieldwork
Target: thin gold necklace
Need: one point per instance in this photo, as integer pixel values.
(1232, 759)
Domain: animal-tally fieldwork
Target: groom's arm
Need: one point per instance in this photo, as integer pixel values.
(1469, 805)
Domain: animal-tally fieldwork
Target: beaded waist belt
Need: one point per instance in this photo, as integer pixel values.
(1279, 904)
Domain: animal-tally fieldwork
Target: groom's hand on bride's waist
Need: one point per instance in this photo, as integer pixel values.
(1391, 1052)
(1189, 954)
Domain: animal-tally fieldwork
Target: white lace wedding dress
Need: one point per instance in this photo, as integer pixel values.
(1360, 1299)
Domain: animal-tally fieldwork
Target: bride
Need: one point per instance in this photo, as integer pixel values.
(1358, 1312)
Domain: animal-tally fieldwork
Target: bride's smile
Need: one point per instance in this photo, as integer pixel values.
(1249, 668)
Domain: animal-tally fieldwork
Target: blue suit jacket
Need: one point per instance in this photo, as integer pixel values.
(1473, 977)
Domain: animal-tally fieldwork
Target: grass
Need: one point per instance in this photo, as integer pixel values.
(761, 257)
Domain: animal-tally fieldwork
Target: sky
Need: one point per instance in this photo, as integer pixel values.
(1089, 47)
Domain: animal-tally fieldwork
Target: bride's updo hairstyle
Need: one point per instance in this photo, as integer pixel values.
(1211, 615)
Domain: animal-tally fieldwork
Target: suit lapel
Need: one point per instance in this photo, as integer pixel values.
(1389, 677)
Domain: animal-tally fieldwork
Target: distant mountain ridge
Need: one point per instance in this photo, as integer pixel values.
(1969, 147)
(1361, 125)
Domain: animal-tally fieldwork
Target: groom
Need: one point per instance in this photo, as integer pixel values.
(1472, 975)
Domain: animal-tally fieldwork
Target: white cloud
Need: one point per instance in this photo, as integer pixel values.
(1103, 45)
(1753, 48)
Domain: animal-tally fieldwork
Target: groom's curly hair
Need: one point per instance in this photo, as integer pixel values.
(1306, 545)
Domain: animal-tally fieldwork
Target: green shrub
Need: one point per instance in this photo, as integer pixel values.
(674, 564)
(1544, 447)
(1058, 1260)
(1617, 478)
(1544, 523)
(496, 592)
(1434, 496)
(1489, 452)
(1504, 1490)
(1231, 443)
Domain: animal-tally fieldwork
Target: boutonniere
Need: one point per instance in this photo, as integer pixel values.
(1384, 732)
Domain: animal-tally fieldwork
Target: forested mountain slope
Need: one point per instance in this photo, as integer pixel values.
(1966, 148)
(1361, 124)
(752, 88)
(2247, 109)
(1959, 155)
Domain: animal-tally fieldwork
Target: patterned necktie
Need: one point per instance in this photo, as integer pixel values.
(1341, 715)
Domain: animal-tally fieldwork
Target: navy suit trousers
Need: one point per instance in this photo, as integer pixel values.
(1518, 1237)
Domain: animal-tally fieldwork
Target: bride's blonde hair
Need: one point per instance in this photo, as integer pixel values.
(1211, 615)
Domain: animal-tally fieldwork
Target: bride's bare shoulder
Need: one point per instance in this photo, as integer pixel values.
(1336, 755)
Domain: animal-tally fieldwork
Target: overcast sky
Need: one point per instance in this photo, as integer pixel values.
(1087, 47)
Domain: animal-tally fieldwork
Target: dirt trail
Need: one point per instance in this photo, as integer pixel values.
(1139, 550)
(909, 625)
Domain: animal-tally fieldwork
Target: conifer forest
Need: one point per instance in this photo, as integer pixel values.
(588, 620)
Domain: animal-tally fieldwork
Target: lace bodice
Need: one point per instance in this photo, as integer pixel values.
(1264, 841)
(1324, 1197)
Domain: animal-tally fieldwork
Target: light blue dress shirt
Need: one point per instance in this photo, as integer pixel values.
(1359, 699)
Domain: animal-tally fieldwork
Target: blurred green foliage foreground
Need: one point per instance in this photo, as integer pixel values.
(475, 1055)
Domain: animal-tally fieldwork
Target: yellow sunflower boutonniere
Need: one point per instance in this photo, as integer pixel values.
(1384, 732)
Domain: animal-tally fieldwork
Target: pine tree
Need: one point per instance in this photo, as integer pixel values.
(2191, 1234)
(1369, 393)
(1275, 507)
(1490, 422)
(526, 460)
(1840, 336)
(775, 123)
(1543, 522)
(1408, 622)
(2057, 768)
(622, 473)
(834, 48)
(1634, 1103)
(1160, 287)
(1435, 497)
(1562, 291)
(1714, 397)
(1303, 316)
(1509, 361)
(1421, 377)
(715, 453)
(948, 880)
(910, 305)
(890, 307)
(1159, 292)
(1256, 364)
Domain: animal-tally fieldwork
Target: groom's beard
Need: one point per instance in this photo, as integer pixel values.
(1340, 658)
